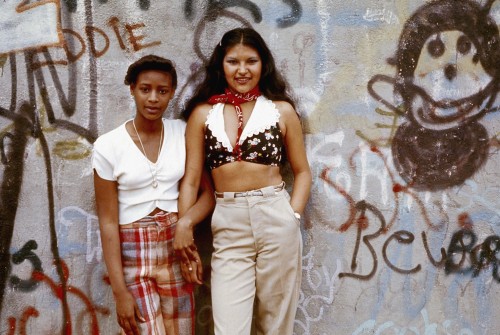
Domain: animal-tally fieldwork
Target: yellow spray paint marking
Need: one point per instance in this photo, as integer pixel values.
(395, 117)
(3, 60)
(72, 149)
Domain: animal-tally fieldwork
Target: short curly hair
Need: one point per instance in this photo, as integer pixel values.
(150, 62)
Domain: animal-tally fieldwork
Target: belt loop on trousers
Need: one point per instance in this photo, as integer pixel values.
(229, 196)
(268, 191)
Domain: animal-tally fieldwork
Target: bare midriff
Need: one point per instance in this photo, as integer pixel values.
(245, 176)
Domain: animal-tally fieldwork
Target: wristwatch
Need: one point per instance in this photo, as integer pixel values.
(297, 215)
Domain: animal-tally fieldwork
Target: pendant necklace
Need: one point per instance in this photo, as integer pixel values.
(151, 169)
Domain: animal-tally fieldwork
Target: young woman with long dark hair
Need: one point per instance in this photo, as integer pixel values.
(241, 124)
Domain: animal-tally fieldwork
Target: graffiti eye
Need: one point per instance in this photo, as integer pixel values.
(464, 45)
(436, 47)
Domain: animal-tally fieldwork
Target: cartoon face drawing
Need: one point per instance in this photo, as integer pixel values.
(447, 67)
(449, 81)
(447, 75)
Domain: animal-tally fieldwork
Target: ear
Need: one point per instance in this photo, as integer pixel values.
(132, 88)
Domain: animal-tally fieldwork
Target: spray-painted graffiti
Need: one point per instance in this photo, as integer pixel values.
(320, 292)
(447, 77)
(362, 215)
(72, 5)
(56, 50)
(214, 9)
(392, 243)
(38, 277)
(26, 253)
(446, 327)
(24, 25)
(75, 46)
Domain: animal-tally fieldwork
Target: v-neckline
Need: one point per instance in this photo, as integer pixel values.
(242, 130)
(139, 149)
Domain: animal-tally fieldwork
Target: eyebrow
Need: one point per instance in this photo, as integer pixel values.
(160, 86)
(251, 57)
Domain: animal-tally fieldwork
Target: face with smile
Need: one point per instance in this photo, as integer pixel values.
(152, 92)
(242, 68)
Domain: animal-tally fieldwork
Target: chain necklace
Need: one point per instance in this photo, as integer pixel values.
(151, 169)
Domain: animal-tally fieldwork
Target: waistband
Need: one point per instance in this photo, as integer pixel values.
(261, 192)
(163, 219)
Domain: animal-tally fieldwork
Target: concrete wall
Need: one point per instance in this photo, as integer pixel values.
(401, 234)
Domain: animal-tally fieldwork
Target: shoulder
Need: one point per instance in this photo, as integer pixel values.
(175, 131)
(203, 108)
(175, 124)
(200, 113)
(286, 110)
(112, 136)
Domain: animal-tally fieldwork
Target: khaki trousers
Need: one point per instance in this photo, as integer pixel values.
(256, 263)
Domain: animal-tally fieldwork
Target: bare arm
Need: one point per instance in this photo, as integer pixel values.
(195, 158)
(106, 194)
(196, 199)
(204, 204)
(184, 241)
(296, 153)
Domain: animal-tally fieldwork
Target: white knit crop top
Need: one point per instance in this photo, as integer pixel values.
(117, 158)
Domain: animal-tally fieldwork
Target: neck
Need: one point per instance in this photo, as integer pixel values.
(148, 126)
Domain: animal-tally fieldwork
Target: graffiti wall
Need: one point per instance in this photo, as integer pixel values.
(399, 106)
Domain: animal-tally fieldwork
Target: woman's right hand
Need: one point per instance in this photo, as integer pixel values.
(127, 312)
(192, 270)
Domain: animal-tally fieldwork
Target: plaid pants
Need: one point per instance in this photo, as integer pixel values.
(153, 276)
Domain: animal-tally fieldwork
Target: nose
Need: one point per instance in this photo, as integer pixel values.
(153, 96)
(450, 71)
(242, 68)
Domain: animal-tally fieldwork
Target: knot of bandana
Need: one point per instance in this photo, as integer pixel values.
(236, 99)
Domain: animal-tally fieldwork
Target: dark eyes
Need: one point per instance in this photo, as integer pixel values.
(464, 45)
(147, 90)
(436, 47)
(234, 61)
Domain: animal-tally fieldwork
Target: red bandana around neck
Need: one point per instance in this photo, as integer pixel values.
(236, 99)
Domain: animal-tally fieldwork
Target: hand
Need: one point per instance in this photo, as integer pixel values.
(192, 271)
(184, 242)
(127, 311)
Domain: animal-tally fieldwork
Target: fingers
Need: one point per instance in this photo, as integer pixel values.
(191, 254)
(187, 253)
(134, 328)
(127, 314)
(196, 273)
(197, 269)
(199, 273)
(186, 273)
(184, 258)
(138, 314)
(192, 271)
(183, 243)
(129, 326)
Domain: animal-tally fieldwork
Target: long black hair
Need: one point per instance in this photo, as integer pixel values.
(272, 84)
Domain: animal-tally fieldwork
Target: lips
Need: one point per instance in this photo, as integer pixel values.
(242, 80)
